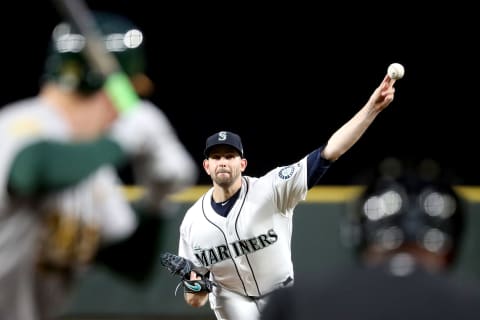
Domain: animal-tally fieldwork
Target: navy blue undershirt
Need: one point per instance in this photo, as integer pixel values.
(223, 208)
(316, 167)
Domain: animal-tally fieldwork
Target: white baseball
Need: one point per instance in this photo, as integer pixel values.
(396, 71)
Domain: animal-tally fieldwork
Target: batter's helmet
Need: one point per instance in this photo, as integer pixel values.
(67, 65)
(406, 204)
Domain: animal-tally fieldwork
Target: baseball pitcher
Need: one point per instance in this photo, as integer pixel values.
(241, 229)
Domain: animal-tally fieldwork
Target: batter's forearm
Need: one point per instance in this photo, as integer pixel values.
(48, 165)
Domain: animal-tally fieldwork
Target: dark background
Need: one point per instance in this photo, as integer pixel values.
(285, 77)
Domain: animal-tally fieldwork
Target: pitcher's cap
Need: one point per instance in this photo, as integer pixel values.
(224, 138)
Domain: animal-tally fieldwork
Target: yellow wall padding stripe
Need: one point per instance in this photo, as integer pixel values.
(332, 193)
(470, 193)
(317, 194)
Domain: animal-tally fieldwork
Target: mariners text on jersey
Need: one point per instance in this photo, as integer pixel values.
(238, 248)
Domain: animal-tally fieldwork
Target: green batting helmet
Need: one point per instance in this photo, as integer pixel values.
(67, 66)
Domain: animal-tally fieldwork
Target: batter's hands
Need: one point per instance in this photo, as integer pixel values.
(137, 130)
(161, 163)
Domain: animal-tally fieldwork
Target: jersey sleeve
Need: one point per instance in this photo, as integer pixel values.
(289, 185)
(20, 125)
(37, 157)
(45, 166)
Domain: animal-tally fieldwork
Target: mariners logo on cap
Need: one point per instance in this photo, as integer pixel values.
(222, 136)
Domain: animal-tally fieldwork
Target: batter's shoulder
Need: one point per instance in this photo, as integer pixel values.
(30, 119)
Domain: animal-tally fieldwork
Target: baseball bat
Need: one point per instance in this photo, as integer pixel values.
(117, 84)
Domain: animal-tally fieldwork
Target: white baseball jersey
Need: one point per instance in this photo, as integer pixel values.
(249, 251)
(41, 238)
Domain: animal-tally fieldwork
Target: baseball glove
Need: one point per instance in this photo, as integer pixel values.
(182, 267)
